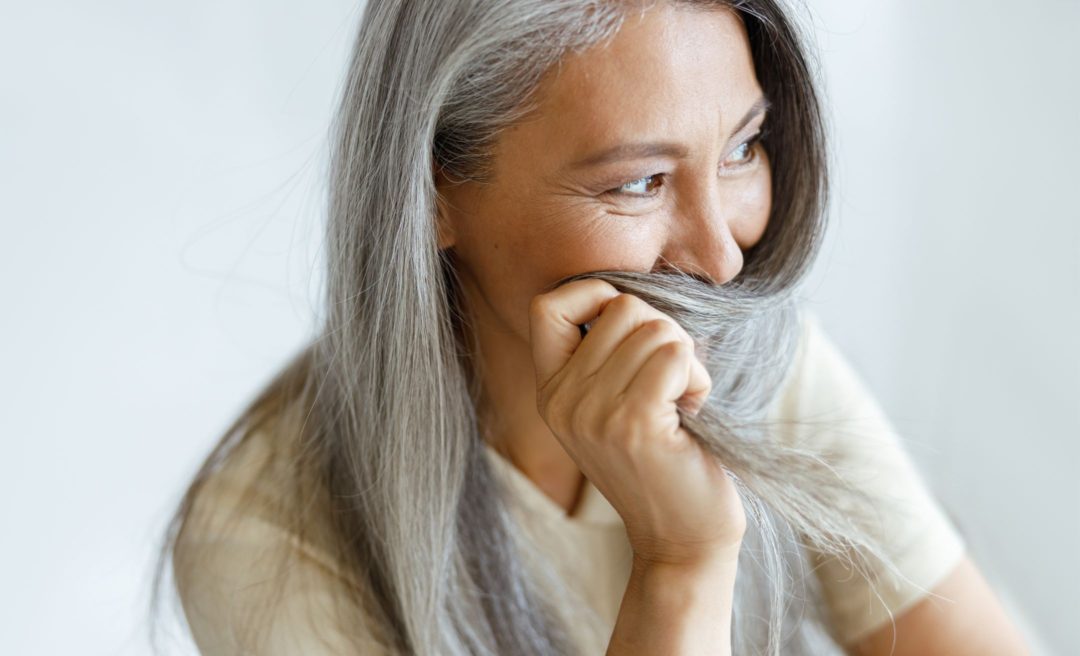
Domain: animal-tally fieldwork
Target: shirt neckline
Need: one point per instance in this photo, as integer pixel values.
(593, 508)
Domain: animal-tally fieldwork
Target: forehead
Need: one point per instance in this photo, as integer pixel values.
(667, 68)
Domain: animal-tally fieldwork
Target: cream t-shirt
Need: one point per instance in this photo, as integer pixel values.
(589, 548)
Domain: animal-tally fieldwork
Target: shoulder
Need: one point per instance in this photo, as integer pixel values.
(824, 401)
(819, 380)
(247, 579)
(827, 406)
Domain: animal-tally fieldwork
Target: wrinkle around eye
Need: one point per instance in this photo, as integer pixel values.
(566, 208)
(592, 211)
(583, 194)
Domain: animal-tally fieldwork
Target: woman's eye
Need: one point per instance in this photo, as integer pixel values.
(646, 187)
(639, 187)
(744, 154)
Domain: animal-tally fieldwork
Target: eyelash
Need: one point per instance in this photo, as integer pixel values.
(751, 157)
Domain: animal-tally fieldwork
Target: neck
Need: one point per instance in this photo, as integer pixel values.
(507, 415)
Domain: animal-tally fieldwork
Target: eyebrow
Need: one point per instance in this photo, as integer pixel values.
(638, 150)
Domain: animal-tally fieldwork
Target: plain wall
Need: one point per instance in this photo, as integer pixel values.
(161, 196)
(951, 275)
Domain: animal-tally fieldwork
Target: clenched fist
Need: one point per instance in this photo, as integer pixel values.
(612, 399)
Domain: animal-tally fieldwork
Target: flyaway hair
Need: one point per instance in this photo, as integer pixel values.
(794, 498)
(385, 461)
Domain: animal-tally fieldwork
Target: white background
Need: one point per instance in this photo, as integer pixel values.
(161, 194)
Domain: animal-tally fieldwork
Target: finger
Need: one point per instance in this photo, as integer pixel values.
(618, 320)
(670, 375)
(699, 388)
(631, 355)
(554, 318)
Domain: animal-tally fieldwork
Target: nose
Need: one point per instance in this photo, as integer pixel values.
(701, 242)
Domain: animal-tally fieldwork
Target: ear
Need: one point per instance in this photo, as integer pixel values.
(443, 224)
(443, 227)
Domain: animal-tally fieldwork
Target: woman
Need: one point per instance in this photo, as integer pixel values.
(561, 397)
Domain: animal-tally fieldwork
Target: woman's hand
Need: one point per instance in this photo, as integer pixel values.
(611, 400)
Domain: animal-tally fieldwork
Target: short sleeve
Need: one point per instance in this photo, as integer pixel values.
(257, 588)
(825, 405)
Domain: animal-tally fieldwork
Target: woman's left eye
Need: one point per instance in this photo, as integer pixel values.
(639, 187)
(744, 154)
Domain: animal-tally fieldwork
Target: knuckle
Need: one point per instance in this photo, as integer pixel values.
(706, 376)
(686, 337)
(677, 333)
(601, 285)
(662, 326)
(539, 305)
(623, 302)
(675, 349)
(656, 326)
(681, 333)
(708, 384)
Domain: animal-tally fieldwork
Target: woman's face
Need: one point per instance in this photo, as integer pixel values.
(642, 154)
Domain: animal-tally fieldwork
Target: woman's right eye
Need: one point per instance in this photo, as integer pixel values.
(630, 188)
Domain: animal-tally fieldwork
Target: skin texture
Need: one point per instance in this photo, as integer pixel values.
(684, 77)
(974, 622)
(610, 399)
(676, 76)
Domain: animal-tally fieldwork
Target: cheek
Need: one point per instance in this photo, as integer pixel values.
(552, 244)
(755, 204)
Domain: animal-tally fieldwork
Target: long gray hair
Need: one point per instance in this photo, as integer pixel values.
(383, 402)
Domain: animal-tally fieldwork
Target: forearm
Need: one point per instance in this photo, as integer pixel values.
(677, 610)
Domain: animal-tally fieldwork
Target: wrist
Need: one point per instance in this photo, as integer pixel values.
(695, 599)
(679, 607)
(718, 559)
